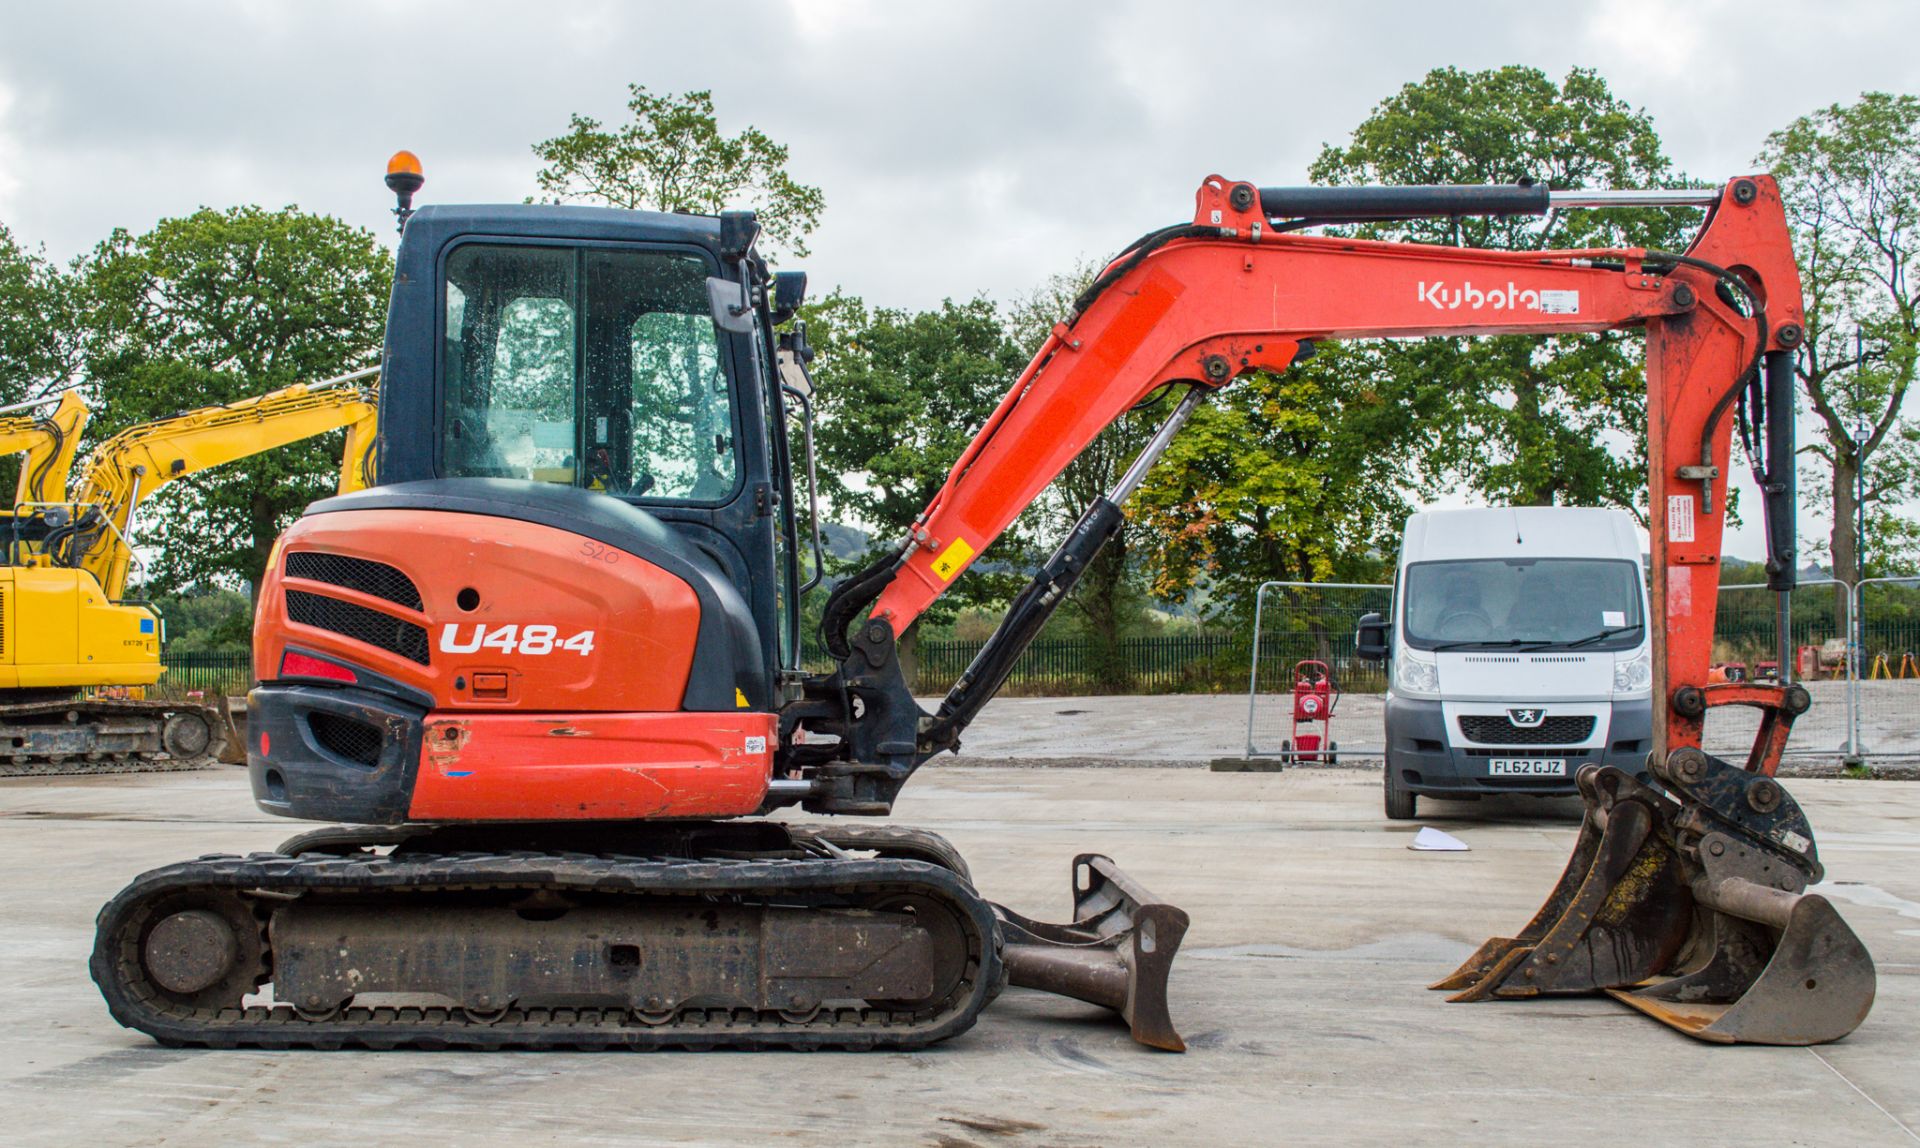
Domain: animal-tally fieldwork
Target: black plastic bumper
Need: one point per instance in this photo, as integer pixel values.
(1421, 752)
(311, 753)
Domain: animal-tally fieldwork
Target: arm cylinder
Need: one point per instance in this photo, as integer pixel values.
(1412, 202)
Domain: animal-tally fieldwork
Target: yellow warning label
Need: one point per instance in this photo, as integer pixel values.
(739, 698)
(952, 560)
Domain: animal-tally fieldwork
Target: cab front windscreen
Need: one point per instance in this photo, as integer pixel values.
(1543, 602)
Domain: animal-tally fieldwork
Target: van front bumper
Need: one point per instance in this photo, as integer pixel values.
(1423, 759)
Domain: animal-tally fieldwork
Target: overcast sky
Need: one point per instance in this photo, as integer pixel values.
(962, 147)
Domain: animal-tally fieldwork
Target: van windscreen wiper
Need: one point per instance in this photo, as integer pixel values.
(1489, 644)
(1590, 639)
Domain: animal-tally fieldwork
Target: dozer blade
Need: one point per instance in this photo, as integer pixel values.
(1780, 966)
(1117, 952)
(1620, 912)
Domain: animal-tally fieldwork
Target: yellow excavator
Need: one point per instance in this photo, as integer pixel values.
(75, 653)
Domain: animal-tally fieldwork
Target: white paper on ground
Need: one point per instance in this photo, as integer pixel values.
(1432, 839)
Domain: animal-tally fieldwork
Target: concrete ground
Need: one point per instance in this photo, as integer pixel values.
(1299, 990)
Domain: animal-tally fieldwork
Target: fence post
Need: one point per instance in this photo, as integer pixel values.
(1253, 675)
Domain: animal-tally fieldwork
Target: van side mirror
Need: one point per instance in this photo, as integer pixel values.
(1371, 642)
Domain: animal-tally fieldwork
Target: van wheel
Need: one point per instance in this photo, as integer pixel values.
(1400, 800)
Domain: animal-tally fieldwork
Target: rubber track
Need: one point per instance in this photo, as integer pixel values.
(138, 1004)
(77, 765)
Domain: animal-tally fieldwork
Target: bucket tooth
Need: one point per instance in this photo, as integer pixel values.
(1780, 966)
(1626, 920)
(1118, 951)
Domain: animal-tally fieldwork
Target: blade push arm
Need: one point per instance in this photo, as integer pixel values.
(131, 467)
(1233, 293)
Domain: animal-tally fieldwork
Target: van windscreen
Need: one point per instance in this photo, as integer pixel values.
(1510, 601)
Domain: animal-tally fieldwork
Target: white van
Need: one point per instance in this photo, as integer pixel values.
(1518, 651)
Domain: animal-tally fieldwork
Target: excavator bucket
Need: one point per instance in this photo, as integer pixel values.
(1688, 904)
(1117, 952)
(1778, 966)
(1619, 913)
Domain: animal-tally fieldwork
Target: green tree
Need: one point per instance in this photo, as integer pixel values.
(1850, 176)
(1534, 422)
(901, 394)
(1297, 476)
(218, 306)
(674, 157)
(1111, 595)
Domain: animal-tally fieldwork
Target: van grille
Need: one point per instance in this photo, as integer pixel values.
(385, 631)
(1497, 730)
(375, 578)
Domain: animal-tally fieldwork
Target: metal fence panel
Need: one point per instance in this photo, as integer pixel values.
(1746, 635)
(1300, 621)
(1887, 697)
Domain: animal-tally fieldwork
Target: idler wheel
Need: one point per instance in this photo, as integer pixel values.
(190, 951)
(186, 734)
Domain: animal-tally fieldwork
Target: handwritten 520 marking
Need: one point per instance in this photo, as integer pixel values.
(514, 639)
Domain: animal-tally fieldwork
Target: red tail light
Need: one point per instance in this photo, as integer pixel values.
(294, 664)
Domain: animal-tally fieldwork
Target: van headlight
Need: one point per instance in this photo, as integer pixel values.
(1415, 675)
(1635, 675)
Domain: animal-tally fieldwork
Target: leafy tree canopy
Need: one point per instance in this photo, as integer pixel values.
(1850, 176)
(674, 157)
(1534, 421)
(218, 306)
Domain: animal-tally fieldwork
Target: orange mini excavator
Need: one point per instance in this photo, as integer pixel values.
(548, 670)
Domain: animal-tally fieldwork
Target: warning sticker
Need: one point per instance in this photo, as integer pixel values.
(1560, 302)
(1679, 518)
(1795, 841)
(756, 745)
(952, 560)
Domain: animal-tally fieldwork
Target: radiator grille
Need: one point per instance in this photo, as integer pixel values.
(344, 736)
(1495, 730)
(375, 578)
(359, 623)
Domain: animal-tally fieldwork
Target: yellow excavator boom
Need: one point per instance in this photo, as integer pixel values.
(135, 464)
(49, 441)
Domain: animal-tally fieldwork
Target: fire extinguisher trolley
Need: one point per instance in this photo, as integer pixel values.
(1314, 698)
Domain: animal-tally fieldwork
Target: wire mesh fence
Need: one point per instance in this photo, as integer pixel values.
(1856, 649)
(1296, 622)
(1746, 644)
(1886, 699)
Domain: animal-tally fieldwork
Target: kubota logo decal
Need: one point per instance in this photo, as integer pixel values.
(513, 639)
(1446, 297)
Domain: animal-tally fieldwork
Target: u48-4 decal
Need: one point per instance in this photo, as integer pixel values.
(512, 639)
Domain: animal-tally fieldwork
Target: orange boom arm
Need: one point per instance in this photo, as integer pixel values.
(1233, 293)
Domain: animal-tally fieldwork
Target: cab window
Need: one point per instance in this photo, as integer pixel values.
(597, 368)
